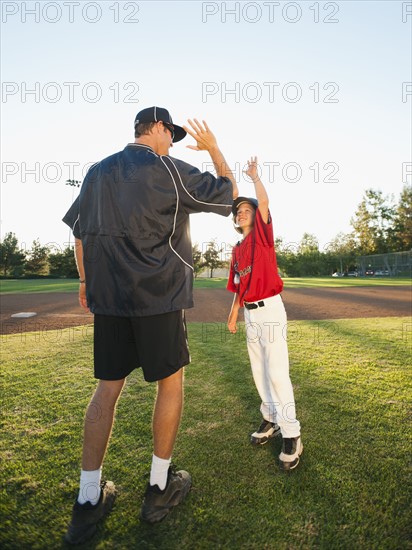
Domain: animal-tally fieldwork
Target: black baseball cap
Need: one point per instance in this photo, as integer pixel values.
(157, 114)
(240, 200)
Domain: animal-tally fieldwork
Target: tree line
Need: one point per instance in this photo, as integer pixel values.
(39, 261)
(45, 261)
(380, 225)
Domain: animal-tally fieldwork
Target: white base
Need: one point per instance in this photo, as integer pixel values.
(24, 315)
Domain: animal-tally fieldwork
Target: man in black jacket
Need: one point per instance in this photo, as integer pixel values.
(134, 257)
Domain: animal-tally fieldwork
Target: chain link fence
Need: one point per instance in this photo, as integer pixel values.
(392, 264)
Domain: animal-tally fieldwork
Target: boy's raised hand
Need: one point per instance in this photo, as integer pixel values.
(252, 171)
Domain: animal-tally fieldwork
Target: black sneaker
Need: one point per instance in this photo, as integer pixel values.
(86, 516)
(292, 448)
(267, 430)
(157, 504)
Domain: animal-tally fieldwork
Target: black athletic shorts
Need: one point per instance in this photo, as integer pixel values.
(157, 343)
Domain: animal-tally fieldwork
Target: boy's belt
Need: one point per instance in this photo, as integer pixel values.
(254, 305)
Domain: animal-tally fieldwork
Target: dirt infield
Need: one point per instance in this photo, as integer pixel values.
(61, 310)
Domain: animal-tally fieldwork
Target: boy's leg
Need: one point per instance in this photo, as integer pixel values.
(268, 352)
(277, 366)
(268, 428)
(277, 363)
(256, 351)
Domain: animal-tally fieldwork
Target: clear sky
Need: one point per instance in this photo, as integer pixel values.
(320, 91)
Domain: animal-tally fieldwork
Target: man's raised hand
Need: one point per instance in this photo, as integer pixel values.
(204, 137)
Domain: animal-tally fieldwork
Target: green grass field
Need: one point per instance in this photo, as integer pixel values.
(16, 286)
(351, 491)
(307, 282)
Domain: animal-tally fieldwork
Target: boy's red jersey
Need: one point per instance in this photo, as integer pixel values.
(254, 270)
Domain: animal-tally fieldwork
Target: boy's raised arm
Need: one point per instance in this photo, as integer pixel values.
(261, 194)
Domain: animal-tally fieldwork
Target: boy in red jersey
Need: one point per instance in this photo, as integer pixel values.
(257, 286)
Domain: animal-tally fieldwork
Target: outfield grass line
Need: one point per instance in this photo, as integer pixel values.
(22, 286)
(319, 282)
(345, 282)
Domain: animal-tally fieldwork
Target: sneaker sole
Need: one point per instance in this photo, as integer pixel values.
(161, 513)
(262, 440)
(87, 535)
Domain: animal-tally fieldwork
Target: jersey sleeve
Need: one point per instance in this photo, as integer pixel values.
(264, 231)
(71, 218)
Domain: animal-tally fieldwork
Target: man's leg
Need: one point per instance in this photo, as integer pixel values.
(99, 421)
(166, 488)
(167, 414)
(95, 500)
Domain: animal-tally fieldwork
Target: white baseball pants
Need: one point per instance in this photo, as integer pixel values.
(266, 335)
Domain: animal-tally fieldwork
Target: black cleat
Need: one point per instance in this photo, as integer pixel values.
(292, 448)
(267, 430)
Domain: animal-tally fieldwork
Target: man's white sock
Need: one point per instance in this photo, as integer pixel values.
(89, 486)
(158, 473)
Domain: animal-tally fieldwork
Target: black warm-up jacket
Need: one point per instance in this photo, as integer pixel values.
(132, 216)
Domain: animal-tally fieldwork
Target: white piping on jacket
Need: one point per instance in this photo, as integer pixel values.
(74, 225)
(150, 150)
(175, 216)
(181, 183)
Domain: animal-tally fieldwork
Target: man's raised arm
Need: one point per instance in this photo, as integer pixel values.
(206, 141)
